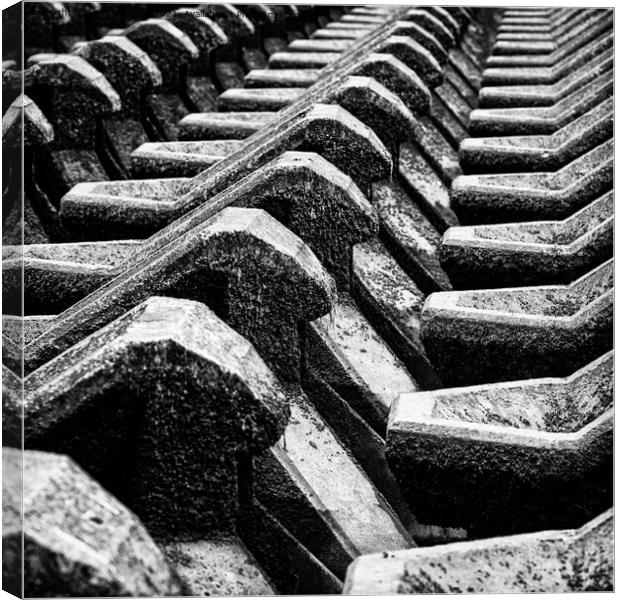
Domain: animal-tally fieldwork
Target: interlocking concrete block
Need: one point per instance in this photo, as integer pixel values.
(235, 262)
(539, 153)
(546, 44)
(433, 24)
(231, 20)
(169, 48)
(393, 304)
(363, 97)
(496, 335)
(497, 76)
(28, 215)
(179, 159)
(78, 540)
(146, 381)
(133, 73)
(386, 69)
(205, 33)
(410, 237)
(509, 457)
(509, 96)
(342, 139)
(534, 196)
(290, 78)
(541, 120)
(322, 495)
(550, 561)
(35, 130)
(579, 38)
(129, 69)
(77, 94)
(223, 126)
(305, 192)
(533, 253)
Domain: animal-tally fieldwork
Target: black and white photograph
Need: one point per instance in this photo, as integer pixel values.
(307, 300)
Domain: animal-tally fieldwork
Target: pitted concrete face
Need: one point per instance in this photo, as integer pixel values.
(534, 253)
(423, 37)
(167, 45)
(561, 561)
(66, 515)
(36, 130)
(76, 95)
(398, 78)
(374, 105)
(233, 22)
(67, 72)
(309, 170)
(54, 11)
(446, 18)
(262, 14)
(415, 56)
(205, 33)
(454, 452)
(234, 262)
(41, 22)
(461, 14)
(126, 66)
(494, 335)
(433, 25)
(130, 385)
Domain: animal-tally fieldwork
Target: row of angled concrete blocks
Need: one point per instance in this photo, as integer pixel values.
(267, 284)
(519, 455)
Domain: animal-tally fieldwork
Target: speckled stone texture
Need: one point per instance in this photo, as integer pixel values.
(509, 457)
(574, 560)
(78, 539)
